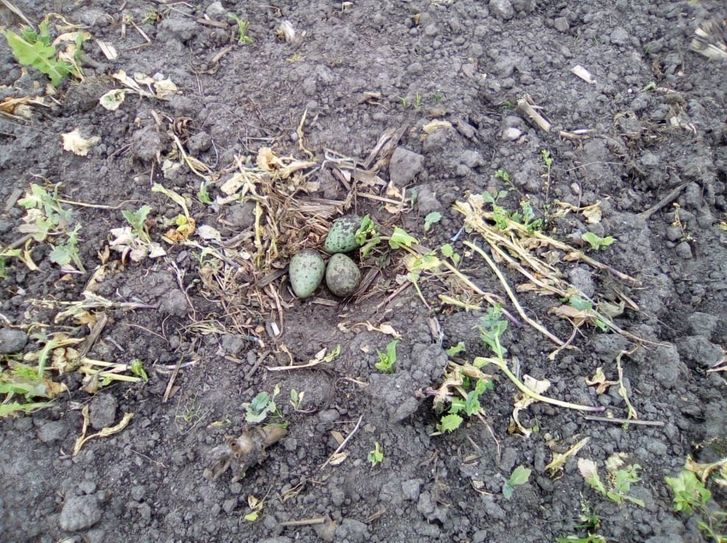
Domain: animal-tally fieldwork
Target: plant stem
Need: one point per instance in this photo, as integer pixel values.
(500, 363)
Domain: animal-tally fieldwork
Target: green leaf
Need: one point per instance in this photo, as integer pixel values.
(597, 242)
(454, 350)
(13, 408)
(137, 369)
(447, 250)
(387, 359)
(400, 238)
(30, 50)
(376, 456)
(137, 220)
(449, 423)
(519, 476)
(689, 493)
(431, 219)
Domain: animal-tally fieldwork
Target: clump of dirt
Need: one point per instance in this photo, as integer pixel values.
(565, 163)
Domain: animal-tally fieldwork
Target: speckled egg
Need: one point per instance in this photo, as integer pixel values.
(342, 275)
(341, 237)
(306, 272)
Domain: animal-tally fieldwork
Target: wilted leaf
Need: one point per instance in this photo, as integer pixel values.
(74, 142)
(107, 49)
(559, 459)
(338, 458)
(592, 213)
(435, 125)
(208, 232)
(112, 99)
(105, 432)
(599, 380)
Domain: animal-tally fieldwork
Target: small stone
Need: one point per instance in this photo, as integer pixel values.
(684, 250)
(702, 324)
(241, 216)
(52, 431)
(427, 201)
(700, 351)
(228, 506)
(561, 24)
(471, 158)
(174, 303)
(232, 344)
(673, 233)
(582, 279)
(103, 410)
(79, 513)
(619, 36)
(179, 28)
(502, 9)
(200, 142)
(405, 409)
(216, 9)
(352, 530)
(12, 341)
(411, 489)
(511, 134)
(668, 367)
(404, 166)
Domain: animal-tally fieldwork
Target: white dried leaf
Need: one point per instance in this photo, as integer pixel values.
(112, 99)
(78, 145)
(208, 232)
(107, 49)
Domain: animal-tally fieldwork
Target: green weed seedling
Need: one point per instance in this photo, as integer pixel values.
(387, 359)
(242, 27)
(46, 217)
(518, 477)
(262, 405)
(619, 479)
(502, 216)
(35, 49)
(367, 236)
(692, 497)
(590, 523)
(137, 369)
(503, 175)
(431, 219)
(448, 252)
(454, 350)
(596, 242)
(376, 456)
(590, 538)
(296, 398)
(468, 406)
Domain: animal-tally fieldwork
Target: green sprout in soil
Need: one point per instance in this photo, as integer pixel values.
(137, 369)
(203, 194)
(367, 236)
(590, 522)
(66, 253)
(503, 175)
(35, 49)
(492, 327)
(467, 403)
(691, 496)
(387, 359)
(454, 350)
(518, 477)
(262, 405)
(44, 214)
(23, 386)
(376, 456)
(619, 481)
(242, 27)
(502, 216)
(596, 242)
(448, 252)
(431, 219)
(296, 399)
